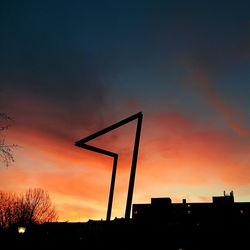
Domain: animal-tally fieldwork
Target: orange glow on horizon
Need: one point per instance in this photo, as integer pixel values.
(177, 159)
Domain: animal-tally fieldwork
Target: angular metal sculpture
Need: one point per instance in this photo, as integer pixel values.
(82, 143)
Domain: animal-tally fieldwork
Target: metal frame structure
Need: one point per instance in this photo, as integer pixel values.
(82, 143)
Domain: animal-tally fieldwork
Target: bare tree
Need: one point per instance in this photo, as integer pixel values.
(7, 209)
(33, 206)
(6, 150)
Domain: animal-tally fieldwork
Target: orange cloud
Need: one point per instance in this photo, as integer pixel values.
(55, 164)
(176, 154)
(186, 153)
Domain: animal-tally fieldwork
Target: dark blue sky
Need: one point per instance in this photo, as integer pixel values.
(123, 49)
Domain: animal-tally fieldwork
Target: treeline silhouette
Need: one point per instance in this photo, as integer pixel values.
(161, 224)
(31, 207)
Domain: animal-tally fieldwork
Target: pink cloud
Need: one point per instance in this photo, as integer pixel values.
(183, 152)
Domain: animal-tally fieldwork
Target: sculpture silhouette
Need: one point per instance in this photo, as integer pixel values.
(82, 143)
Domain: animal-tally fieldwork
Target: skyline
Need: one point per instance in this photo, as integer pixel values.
(69, 69)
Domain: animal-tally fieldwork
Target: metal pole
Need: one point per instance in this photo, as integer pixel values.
(82, 143)
(133, 168)
(112, 186)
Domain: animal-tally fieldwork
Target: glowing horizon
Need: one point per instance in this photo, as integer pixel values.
(73, 177)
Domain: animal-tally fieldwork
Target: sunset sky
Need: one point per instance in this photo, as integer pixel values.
(71, 68)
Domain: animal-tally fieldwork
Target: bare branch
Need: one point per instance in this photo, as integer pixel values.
(33, 206)
(6, 150)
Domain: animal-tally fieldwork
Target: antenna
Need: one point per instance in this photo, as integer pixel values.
(82, 143)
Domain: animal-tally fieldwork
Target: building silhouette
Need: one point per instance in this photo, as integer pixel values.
(220, 224)
(221, 208)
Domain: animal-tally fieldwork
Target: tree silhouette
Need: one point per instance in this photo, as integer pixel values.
(7, 209)
(6, 150)
(32, 207)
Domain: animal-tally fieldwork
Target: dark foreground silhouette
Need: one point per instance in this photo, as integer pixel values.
(222, 224)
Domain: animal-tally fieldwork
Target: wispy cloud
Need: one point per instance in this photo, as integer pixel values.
(203, 83)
